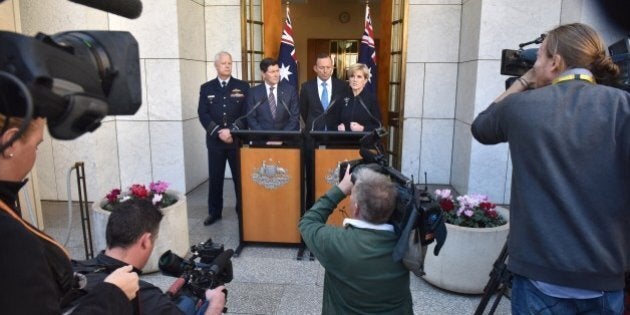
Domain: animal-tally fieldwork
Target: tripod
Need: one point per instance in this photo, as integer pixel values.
(500, 281)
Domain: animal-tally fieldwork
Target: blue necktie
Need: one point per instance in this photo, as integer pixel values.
(324, 98)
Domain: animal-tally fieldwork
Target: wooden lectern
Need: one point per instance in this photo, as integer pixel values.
(332, 148)
(271, 187)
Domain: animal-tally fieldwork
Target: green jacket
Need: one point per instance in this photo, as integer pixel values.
(361, 276)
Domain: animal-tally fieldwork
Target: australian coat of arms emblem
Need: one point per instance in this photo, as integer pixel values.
(271, 175)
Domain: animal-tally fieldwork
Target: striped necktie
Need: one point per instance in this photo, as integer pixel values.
(272, 103)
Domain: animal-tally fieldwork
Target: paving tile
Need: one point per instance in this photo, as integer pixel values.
(267, 278)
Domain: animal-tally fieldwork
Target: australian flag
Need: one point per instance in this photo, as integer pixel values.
(367, 51)
(287, 58)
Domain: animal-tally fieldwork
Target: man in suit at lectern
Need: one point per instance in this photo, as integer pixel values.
(322, 98)
(272, 105)
(321, 102)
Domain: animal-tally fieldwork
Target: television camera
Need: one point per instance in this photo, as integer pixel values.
(415, 210)
(73, 78)
(516, 62)
(213, 269)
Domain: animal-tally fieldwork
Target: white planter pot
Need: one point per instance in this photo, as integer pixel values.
(465, 261)
(173, 233)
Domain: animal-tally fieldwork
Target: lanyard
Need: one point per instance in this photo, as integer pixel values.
(569, 77)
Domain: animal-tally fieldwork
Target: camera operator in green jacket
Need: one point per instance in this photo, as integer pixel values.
(361, 276)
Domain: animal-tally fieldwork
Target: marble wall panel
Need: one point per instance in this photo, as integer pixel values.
(223, 30)
(98, 151)
(411, 147)
(414, 90)
(155, 30)
(195, 154)
(433, 33)
(164, 89)
(134, 152)
(505, 24)
(488, 170)
(460, 169)
(167, 153)
(469, 36)
(466, 91)
(58, 15)
(440, 90)
(193, 75)
(435, 1)
(437, 150)
(223, 2)
(190, 15)
(490, 84)
(508, 180)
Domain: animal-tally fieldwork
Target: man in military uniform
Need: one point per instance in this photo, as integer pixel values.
(221, 102)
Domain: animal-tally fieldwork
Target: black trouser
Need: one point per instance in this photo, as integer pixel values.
(309, 170)
(216, 172)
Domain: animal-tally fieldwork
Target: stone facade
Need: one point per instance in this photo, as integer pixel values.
(452, 73)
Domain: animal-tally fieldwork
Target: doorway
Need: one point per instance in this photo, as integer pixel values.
(318, 26)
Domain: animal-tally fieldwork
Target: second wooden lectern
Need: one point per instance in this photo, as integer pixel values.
(332, 148)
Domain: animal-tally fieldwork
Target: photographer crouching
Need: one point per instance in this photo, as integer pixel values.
(132, 229)
(361, 276)
(569, 140)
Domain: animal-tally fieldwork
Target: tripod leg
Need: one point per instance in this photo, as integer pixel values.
(497, 277)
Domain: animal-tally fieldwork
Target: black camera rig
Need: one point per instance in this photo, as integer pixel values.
(74, 78)
(415, 210)
(213, 269)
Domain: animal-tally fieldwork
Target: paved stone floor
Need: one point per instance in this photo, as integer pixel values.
(267, 279)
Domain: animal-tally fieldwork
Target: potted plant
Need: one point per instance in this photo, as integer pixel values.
(173, 232)
(477, 230)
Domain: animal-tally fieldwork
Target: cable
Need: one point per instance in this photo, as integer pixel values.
(65, 243)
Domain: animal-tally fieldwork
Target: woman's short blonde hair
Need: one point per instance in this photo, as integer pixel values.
(359, 67)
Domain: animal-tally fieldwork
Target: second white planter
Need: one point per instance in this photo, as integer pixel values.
(465, 261)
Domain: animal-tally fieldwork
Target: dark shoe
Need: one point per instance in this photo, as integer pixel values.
(210, 219)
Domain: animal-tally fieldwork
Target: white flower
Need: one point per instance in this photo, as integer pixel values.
(156, 199)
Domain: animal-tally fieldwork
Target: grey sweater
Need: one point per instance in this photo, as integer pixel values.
(570, 199)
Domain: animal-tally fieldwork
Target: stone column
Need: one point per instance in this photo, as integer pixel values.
(163, 140)
(430, 87)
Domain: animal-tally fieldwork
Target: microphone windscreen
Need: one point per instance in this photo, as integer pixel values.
(221, 261)
(126, 8)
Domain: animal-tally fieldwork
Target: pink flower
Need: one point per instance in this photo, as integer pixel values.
(157, 194)
(158, 187)
(443, 193)
(472, 210)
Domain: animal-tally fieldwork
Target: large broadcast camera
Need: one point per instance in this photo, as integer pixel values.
(515, 63)
(416, 210)
(213, 269)
(74, 78)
